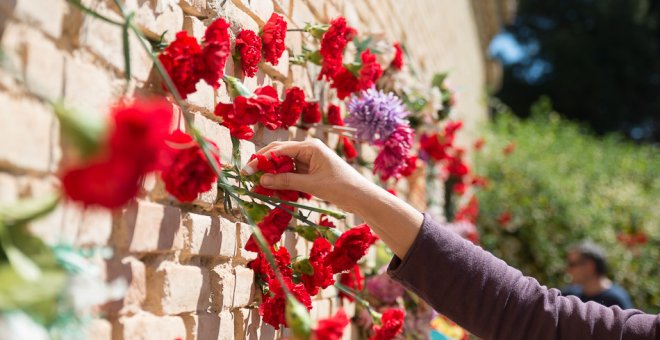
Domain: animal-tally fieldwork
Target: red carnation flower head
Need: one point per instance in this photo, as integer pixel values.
(189, 173)
(248, 46)
(433, 147)
(391, 325)
(134, 147)
(292, 106)
(311, 113)
(334, 115)
(272, 308)
(411, 166)
(333, 43)
(350, 247)
(370, 71)
(181, 60)
(272, 35)
(217, 47)
(331, 328)
(322, 275)
(275, 165)
(479, 143)
(139, 131)
(457, 168)
(504, 219)
(263, 107)
(348, 148)
(352, 279)
(450, 130)
(509, 149)
(469, 212)
(272, 227)
(263, 270)
(397, 63)
(347, 82)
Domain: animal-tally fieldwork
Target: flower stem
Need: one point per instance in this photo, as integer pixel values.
(350, 292)
(267, 199)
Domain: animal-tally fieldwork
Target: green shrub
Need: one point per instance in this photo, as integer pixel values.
(562, 185)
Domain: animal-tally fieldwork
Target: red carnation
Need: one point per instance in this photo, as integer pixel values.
(272, 36)
(292, 106)
(139, 131)
(248, 45)
(411, 166)
(272, 227)
(457, 167)
(311, 113)
(391, 325)
(275, 165)
(325, 222)
(273, 306)
(469, 212)
(347, 83)
(331, 328)
(352, 279)
(189, 173)
(504, 218)
(397, 63)
(351, 246)
(110, 183)
(479, 143)
(370, 71)
(217, 48)
(263, 107)
(334, 115)
(182, 60)
(333, 43)
(134, 146)
(450, 130)
(322, 276)
(348, 148)
(432, 146)
(509, 149)
(262, 268)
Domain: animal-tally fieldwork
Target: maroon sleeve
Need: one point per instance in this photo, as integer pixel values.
(494, 301)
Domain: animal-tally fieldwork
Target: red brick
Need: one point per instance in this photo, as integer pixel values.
(217, 134)
(151, 227)
(146, 326)
(264, 136)
(157, 18)
(210, 236)
(176, 289)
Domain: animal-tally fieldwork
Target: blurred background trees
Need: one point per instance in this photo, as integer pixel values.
(598, 60)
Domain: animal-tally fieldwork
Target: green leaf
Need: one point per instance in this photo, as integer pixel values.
(236, 88)
(304, 266)
(26, 210)
(22, 264)
(84, 132)
(298, 318)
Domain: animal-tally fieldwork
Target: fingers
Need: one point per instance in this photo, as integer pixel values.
(299, 151)
(286, 181)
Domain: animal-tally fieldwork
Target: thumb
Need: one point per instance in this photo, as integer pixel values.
(285, 181)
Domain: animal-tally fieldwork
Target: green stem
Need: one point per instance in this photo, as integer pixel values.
(94, 13)
(350, 292)
(268, 199)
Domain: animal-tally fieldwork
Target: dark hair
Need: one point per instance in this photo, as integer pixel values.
(593, 252)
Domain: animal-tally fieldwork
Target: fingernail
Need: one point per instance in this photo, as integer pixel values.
(247, 170)
(267, 180)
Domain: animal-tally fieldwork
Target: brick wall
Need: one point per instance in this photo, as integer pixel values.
(184, 263)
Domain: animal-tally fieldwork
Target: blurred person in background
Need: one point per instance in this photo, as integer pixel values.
(586, 264)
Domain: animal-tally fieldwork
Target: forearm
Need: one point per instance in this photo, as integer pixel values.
(495, 301)
(394, 221)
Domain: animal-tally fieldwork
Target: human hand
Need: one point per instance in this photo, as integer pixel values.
(319, 172)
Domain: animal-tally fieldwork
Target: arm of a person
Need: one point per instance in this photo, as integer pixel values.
(495, 301)
(464, 282)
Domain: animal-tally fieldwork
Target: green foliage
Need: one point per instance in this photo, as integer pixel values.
(599, 61)
(562, 185)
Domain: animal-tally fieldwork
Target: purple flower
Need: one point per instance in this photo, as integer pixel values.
(375, 115)
(391, 159)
